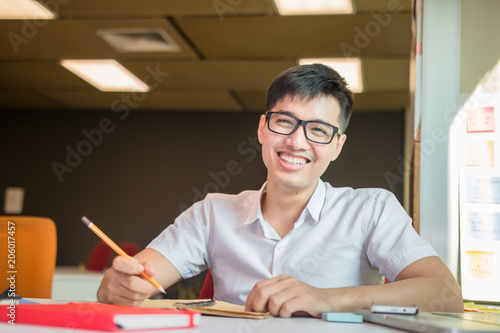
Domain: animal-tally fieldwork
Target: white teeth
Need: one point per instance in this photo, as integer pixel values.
(293, 160)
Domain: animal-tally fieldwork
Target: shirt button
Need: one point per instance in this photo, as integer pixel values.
(279, 248)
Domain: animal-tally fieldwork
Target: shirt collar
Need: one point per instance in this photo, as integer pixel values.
(314, 206)
(255, 210)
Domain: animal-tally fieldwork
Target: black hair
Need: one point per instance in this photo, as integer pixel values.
(310, 81)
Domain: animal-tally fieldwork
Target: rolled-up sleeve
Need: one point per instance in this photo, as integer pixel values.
(393, 243)
(184, 243)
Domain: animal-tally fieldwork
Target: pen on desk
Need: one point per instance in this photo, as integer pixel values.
(118, 250)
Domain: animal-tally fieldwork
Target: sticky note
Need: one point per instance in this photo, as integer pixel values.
(481, 120)
(480, 264)
(483, 225)
(480, 153)
(344, 317)
(482, 189)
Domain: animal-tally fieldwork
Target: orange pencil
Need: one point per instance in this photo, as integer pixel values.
(118, 250)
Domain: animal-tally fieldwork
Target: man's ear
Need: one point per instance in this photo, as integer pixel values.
(338, 148)
(262, 126)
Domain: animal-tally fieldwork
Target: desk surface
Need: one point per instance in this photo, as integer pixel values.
(211, 324)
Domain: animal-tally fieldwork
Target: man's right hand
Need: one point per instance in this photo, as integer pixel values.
(122, 284)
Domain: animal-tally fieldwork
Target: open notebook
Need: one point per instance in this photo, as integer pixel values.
(206, 306)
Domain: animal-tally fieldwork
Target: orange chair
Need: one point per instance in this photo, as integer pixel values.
(28, 255)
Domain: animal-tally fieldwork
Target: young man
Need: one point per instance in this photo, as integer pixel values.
(298, 246)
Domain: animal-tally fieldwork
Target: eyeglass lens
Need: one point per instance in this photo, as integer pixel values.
(315, 131)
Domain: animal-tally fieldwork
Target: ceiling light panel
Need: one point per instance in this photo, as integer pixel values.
(314, 7)
(106, 75)
(24, 10)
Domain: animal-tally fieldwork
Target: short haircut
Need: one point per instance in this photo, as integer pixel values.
(311, 81)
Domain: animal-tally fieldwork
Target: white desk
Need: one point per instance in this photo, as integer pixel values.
(73, 284)
(211, 324)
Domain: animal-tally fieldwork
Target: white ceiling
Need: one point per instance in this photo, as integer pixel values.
(230, 50)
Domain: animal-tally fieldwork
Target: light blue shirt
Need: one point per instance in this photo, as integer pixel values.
(344, 237)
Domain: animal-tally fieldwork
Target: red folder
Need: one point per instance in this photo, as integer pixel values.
(98, 316)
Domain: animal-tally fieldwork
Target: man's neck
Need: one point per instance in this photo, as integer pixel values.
(281, 207)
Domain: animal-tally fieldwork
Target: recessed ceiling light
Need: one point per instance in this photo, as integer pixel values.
(24, 10)
(106, 75)
(139, 40)
(349, 68)
(314, 7)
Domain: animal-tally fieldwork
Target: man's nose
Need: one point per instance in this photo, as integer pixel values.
(298, 139)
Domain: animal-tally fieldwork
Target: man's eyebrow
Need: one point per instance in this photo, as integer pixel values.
(289, 113)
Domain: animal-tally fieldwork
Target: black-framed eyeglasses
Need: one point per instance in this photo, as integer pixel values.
(315, 131)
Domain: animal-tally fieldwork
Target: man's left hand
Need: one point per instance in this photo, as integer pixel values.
(285, 296)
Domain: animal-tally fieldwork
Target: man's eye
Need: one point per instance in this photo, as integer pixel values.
(284, 122)
(319, 131)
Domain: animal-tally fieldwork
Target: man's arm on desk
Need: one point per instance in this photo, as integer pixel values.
(427, 283)
(122, 284)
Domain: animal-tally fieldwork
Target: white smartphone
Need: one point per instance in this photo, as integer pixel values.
(411, 310)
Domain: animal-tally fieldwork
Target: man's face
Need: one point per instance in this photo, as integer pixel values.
(292, 161)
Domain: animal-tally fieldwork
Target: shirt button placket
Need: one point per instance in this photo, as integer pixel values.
(278, 252)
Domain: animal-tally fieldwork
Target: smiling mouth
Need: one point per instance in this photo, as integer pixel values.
(293, 160)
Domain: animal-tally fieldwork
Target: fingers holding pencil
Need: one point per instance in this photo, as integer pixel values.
(122, 284)
(125, 266)
(119, 251)
(133, 268)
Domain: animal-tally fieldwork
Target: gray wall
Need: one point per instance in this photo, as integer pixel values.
(140, 171)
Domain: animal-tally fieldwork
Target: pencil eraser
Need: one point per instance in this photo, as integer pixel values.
(344, 317)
